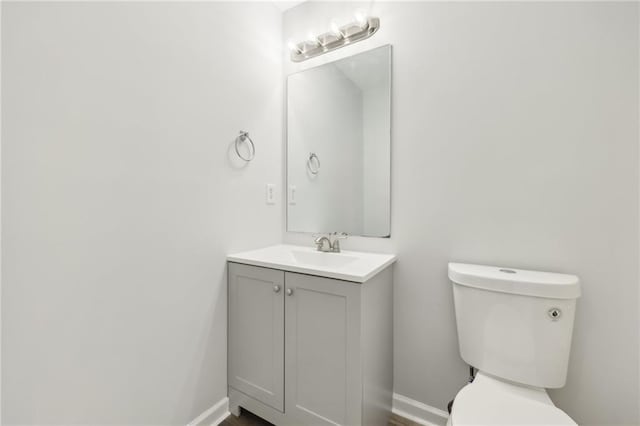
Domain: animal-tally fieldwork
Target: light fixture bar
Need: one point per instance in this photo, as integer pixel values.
(335, 39)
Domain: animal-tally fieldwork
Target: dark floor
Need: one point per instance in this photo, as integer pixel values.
(396, 420)
(248, 419)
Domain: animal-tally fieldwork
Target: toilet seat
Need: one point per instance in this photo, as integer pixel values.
(490, 401)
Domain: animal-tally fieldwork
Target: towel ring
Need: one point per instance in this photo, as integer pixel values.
(243, 137)
(313, 158)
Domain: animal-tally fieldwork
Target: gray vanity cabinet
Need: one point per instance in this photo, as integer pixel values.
(322, 350)
(256, 333)
(328, 341)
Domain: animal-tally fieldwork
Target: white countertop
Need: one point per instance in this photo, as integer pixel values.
(346, 265)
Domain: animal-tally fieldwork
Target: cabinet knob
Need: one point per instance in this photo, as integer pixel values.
(289, 291)
(276, 289)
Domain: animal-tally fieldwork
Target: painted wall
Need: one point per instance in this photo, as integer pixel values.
(121, 196)
(514, 142)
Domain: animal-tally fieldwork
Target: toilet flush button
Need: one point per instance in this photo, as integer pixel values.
(554, 314)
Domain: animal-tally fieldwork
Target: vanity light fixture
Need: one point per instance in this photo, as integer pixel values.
(362, 28)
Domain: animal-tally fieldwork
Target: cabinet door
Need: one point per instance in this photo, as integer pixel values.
(322, 341)
(256, 333)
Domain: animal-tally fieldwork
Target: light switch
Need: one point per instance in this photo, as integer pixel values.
(271, 193)
(292, 195)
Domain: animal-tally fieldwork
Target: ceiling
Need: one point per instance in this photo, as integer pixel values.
(287, 4)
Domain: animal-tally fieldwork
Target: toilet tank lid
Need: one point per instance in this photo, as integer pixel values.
(516, 281)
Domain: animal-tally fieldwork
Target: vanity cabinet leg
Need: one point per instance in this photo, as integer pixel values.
(234, 409)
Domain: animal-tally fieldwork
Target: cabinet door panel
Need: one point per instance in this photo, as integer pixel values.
(256, 333)
(323, 381)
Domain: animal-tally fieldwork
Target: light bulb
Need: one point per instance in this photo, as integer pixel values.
(293, 46)
(311, 38)
(361, 19)
(335, 30)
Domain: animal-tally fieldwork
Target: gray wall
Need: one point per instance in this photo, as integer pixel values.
(514, 142)
(119, 201)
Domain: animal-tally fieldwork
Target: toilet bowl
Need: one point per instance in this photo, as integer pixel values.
(514, 326)
(489, 401)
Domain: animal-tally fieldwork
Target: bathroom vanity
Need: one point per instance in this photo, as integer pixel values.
(311, 333)
(311, 336)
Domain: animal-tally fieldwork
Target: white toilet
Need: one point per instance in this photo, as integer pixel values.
(515, 327)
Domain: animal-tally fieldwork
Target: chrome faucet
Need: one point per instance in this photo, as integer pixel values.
(320, 243)
(329, 243)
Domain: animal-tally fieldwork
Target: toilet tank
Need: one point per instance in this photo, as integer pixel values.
(515, 324)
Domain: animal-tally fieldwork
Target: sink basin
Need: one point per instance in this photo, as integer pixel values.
(347, 265)
(318, 258)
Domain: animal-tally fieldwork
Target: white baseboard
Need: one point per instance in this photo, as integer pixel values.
(402, 406)
(213, 416)
(418, 412)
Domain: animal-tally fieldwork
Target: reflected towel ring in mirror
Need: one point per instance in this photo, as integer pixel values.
(313, 163)
(243, 137)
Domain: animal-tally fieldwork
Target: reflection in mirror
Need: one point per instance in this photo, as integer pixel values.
(339, 146)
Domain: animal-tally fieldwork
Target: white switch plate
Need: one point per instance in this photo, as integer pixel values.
(271, 193)
(292, 195)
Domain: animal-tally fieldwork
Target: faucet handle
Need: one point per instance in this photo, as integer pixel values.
(335, 244)
(339, 236)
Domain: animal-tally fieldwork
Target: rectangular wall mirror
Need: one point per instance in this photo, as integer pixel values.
(339, 146)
